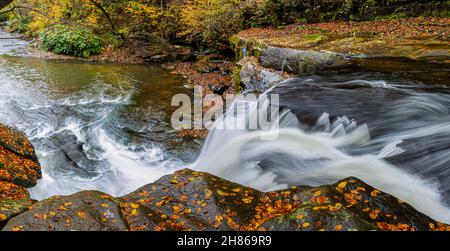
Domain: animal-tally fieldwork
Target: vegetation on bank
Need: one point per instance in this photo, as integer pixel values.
(200, 23)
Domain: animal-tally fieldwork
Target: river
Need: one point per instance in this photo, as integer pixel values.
(106, 127)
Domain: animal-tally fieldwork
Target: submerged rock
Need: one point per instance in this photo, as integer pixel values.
(190, 200)
(19, 170)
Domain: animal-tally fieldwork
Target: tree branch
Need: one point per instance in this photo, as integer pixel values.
(105, 13)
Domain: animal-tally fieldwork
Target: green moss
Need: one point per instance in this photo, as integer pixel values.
(236, 78)
(235, 44)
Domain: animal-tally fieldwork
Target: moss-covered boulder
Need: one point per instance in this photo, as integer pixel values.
(190, 200)
(19, 170)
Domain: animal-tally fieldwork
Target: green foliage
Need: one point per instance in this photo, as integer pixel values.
(75, 41)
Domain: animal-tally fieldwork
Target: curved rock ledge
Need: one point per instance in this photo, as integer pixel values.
(19, 169)
(190, 200)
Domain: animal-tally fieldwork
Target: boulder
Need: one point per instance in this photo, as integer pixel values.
(18, 161)
(190, 200)
(87, 210)
(19, 170)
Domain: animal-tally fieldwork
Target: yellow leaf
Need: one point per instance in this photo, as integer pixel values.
(17, 228)
(2, 217)
(247, 200)
(208, 193)
(317, 193)
(338, 227)
(134, 205)
(133, 212)
(342, 184)
(105, 205)
(82, 214)
(220, 192)
(174, 181)
(374, 193)
(305, 225)
(299, 216)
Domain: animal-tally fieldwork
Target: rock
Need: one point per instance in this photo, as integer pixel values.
(350, 204)
(255, 77)
(13, 201)
(19, 169)
(219, 90)
(16, 142)
(214, 69)
(18, 161)
(87, 210)
(299, 61)
(190, 200)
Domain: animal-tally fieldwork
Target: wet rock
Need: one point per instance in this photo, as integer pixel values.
(299, 61)
(349, 205)
(18, 163)
(190, 200)
(19, 169)
(256, 77)
(13, 200)
(215, 69)
(16, 142)
(219, 90)
(86, 211)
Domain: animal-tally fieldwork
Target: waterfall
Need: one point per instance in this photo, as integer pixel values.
(297, 156)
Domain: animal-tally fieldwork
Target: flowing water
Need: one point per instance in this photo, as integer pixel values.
(106, 127)
(94, 126)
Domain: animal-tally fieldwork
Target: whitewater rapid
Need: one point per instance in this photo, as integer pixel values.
(322, 154)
